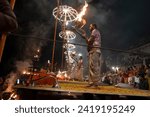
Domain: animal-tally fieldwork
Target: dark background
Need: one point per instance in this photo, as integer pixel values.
(124, 24)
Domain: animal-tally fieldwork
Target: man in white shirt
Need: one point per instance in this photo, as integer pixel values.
(94, 44)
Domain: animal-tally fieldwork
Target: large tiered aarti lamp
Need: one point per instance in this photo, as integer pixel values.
(65, 14)
(67, 36)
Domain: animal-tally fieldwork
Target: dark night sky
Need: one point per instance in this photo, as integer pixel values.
(123, 25)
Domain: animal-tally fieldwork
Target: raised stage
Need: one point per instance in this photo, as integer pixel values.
(78, 91)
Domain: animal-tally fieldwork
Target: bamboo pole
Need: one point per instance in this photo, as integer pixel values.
(54, 43)
(4, 35)
(64, 30)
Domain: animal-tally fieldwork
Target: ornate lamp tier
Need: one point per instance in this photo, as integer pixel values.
(65, 13)
(68, 35)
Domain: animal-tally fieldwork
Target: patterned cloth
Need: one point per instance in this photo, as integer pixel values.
(80, 70)
(94, 58)
(97, 40)
(94, 66)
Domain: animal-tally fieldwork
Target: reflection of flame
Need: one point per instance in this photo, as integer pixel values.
(80, 15)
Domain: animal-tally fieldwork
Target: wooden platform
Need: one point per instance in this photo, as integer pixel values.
(78, 90)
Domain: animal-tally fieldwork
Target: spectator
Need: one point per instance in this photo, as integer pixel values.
(8, 20)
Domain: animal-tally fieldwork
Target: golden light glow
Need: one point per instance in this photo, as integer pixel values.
(38, 50)
(48, 61)
(65, 10)
(24, 72)
(67, 23)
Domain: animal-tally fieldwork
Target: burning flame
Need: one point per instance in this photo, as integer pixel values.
(24, 72)
(38, 50)
(48, 62)
(82, 13)
(9, 96)
(62, 75)
(13, 96)
(36, 56)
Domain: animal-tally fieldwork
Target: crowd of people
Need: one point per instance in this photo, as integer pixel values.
(135, 76)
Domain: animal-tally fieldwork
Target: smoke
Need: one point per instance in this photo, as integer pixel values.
(44, 7)
(121, 22)
(10, 81)
(39, 23)
(39, 30)
(23, 65)
(98, 14)
(82, 1)
(13, 76)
